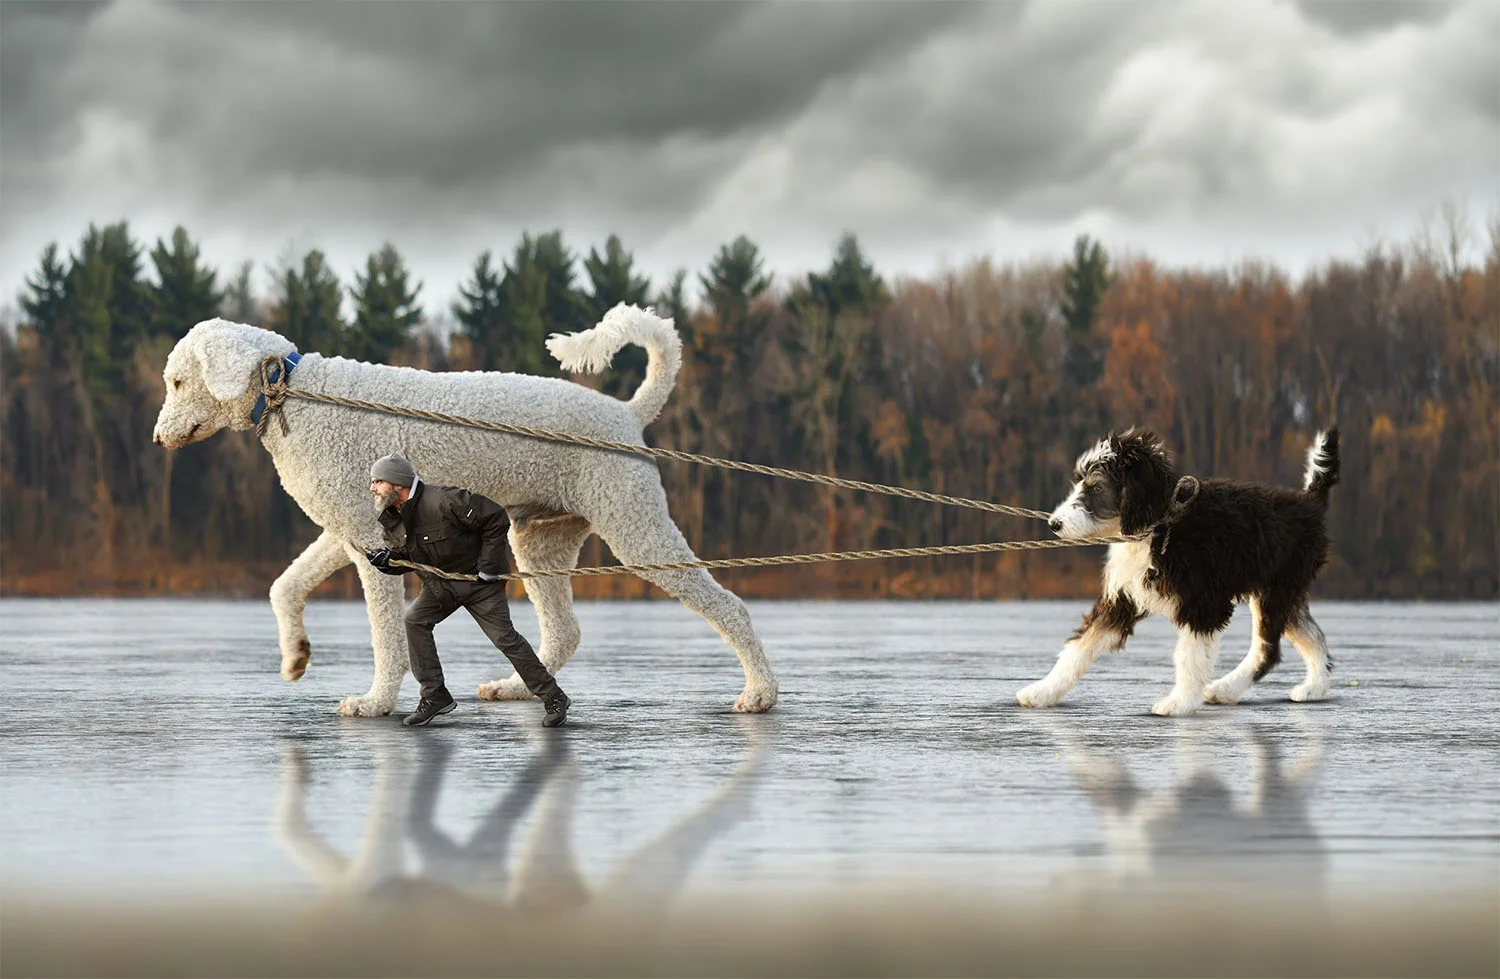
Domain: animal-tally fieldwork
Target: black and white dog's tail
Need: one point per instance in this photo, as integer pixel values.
(1322, 466)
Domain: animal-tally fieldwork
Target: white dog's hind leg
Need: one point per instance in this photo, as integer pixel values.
(545, 543)
(289, 594)
(385, 603)
(731, 619)
(1194, 659)
(652, 538)
(1308, 637)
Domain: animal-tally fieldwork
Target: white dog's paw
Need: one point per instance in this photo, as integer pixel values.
(757, 698)
(511, 688)
(366, 706)
(295, 664)
(1039, 694)
(1310, 690)
(1228, 689)
(1176, 705)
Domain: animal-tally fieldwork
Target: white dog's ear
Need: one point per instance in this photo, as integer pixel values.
(229, 364)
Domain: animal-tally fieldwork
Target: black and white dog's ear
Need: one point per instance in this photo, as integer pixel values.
(1135, 512)
(1145, 483)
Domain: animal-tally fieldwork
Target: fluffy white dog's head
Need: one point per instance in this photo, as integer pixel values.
(210, 377)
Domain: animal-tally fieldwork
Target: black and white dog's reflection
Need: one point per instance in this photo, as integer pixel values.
(543, 877)
(1198, 829)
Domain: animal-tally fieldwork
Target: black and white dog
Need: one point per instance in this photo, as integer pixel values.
(1212, 545)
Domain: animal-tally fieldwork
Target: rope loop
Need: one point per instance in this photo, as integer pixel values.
(1183, 495)
(274, 390)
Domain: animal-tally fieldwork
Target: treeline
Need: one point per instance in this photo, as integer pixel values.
(986, 381)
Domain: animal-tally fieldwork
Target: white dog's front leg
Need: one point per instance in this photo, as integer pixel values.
(289, 594)
(385, 604)
(1194, 659)
(291, 829)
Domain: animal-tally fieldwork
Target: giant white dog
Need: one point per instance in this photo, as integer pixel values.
(556, 494)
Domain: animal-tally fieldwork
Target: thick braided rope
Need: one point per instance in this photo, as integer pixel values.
(783, 559)
(277, 392)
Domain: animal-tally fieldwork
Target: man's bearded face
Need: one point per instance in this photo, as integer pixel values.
(387, 496)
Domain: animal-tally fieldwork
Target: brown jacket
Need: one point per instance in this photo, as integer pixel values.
(449, 528)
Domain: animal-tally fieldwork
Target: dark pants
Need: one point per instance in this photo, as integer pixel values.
(485, 600)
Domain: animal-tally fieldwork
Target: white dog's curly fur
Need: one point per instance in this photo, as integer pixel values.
(556, 494)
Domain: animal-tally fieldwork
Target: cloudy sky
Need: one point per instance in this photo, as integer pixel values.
(1200, 132)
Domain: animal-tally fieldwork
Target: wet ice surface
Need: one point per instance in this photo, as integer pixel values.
(149, 747)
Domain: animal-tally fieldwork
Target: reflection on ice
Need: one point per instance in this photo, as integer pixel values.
(1201, 827)
(541, 877)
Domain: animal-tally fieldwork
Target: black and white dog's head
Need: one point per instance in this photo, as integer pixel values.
(1122, 485)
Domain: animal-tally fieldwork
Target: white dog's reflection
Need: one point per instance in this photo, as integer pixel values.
(379, 857)
(1194, 830)
(544, 876)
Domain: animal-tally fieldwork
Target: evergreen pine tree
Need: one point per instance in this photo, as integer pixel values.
(185, 292)
(611, 282)
(850, 284)
(480, 312)
(671, 303)
(734, 280)
(308, 309)
(538, 299)
(240, 304)
(385, 308)
(45, 305)
(1085, 280)
(105, 311)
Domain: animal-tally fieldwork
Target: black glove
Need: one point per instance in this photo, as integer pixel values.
(381, 559)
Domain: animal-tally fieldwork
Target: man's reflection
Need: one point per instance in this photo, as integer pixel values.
(542, 875)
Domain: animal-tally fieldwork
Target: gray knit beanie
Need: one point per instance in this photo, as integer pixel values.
(394, 469)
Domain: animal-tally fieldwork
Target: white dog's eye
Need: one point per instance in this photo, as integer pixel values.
(177, 384)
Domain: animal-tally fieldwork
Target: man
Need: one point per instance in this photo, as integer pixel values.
(463, 533)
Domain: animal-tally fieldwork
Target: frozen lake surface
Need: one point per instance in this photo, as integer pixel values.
(148, 747)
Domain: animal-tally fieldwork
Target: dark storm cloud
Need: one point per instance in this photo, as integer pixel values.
(1362, 16)
(454, 94)
(1137, 108)
(929, 128)
(36, 39)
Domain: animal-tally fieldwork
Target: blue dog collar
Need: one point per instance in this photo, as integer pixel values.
(288, 364)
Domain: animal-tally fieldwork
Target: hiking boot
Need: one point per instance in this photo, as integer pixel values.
(428, 709)
(557, 710)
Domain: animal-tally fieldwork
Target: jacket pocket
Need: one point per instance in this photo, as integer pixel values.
(436, 544)
(429, 536)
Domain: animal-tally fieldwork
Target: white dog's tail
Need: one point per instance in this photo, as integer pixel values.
(592, 350)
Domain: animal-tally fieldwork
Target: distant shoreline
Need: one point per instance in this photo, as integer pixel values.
(1022, 578)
